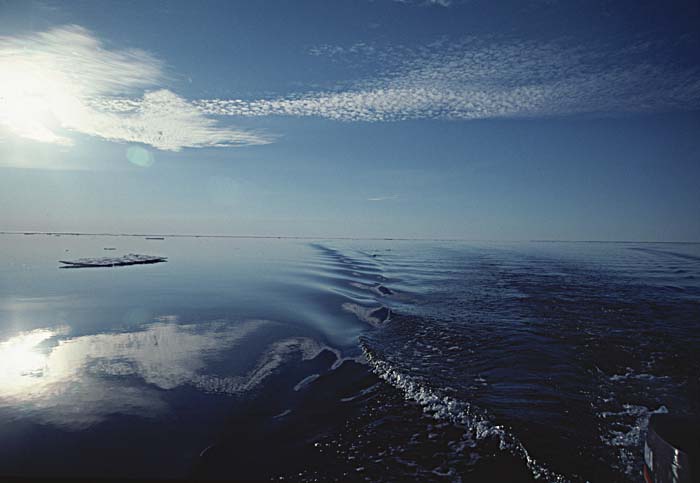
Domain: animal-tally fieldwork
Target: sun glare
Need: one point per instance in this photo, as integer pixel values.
(32, 98)
(21, 361)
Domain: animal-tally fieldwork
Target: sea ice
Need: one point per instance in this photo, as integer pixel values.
(130, 259)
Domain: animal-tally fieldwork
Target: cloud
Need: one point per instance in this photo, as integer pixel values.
(383, 198)
(165, 121)
(79, 381)
(441, 3)
(65, 80)
(490, 78)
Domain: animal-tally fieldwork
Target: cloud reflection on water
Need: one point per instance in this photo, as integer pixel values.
(77, 382)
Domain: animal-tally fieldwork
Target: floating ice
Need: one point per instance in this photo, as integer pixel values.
(130, 259)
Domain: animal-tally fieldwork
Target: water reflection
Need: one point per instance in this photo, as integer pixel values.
(79, 381)
(22, 361)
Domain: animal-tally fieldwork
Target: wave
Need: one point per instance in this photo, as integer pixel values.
(434, 402)
(458, 412)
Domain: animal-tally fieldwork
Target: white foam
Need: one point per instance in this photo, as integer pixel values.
(458, 412)
(638, 376)
(363, 392)
(306, 381)
(284, 413)
(367, 314)
(627, 439)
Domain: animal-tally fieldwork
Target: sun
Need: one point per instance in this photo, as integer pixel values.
(32, 99)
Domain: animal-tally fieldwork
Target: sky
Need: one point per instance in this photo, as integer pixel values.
(474, 119)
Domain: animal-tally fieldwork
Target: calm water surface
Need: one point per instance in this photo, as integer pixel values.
(343, 360)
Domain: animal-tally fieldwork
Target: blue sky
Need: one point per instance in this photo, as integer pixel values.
(470, 119)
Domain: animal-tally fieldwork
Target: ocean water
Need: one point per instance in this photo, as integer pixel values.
(343, 360)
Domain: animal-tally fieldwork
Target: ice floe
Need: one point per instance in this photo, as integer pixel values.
(124, 260)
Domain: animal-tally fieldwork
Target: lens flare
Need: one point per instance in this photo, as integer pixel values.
(140, 156)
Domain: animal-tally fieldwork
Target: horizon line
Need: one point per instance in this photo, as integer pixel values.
(304, 237)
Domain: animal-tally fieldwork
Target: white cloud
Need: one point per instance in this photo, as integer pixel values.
(165, 121)
(65, 80)
(383, 198)
(442, 3)
(479, 79)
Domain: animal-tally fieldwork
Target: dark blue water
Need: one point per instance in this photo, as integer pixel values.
(343, 360)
